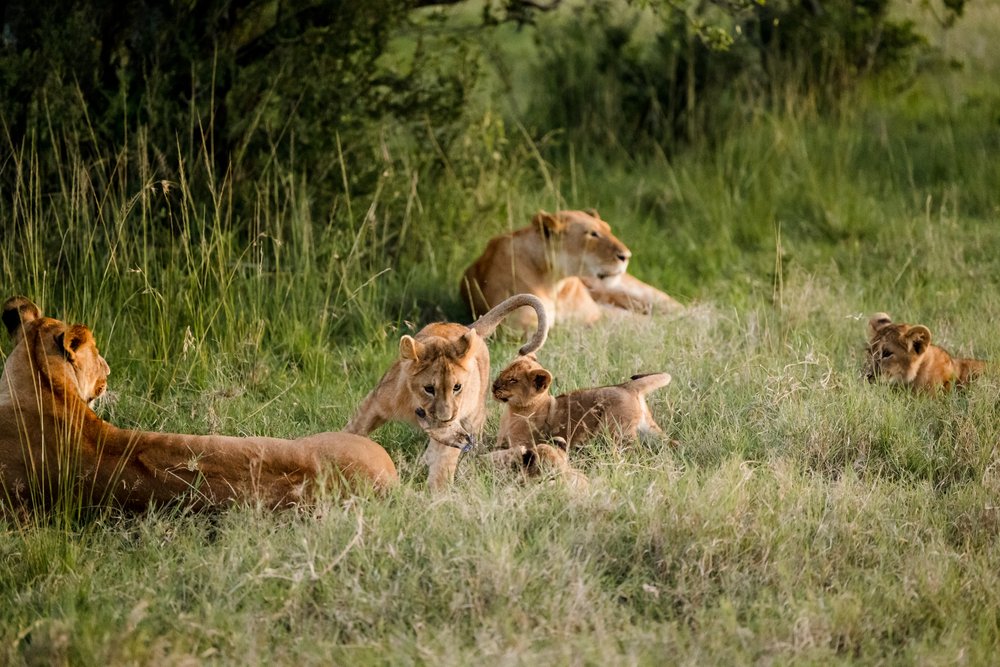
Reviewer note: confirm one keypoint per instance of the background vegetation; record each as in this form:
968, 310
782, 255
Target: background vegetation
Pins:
248, 239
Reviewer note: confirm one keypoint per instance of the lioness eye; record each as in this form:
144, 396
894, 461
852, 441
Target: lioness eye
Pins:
594, 235
429, 388
457, 388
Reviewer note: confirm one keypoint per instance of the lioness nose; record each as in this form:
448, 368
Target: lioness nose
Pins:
624, 255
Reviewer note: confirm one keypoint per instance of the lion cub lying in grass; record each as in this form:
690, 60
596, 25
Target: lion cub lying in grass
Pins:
532, 415
903, 354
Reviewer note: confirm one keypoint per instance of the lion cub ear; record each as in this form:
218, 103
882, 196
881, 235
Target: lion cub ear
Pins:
18, 311
878, 322
548, 224
72, 339
918, 338
541, 379
461, 347
410, 348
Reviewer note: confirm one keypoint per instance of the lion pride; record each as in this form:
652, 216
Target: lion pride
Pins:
52, 443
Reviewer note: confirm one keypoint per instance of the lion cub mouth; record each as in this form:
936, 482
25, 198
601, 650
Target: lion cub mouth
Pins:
610, 274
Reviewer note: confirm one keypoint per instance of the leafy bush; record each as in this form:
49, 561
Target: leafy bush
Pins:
251, 83
625, 78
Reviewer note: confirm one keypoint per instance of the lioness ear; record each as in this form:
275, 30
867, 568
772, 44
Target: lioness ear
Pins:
18, 311
878, 322
410, 348
547, 223
541, 379
72, 339
592, 212
918, 337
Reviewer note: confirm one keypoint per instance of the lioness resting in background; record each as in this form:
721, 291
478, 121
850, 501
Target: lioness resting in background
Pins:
440, 382
532, 415
571, 261
903, 354
52, 443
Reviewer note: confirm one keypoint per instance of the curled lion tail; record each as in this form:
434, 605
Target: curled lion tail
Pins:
647, 382
488, 323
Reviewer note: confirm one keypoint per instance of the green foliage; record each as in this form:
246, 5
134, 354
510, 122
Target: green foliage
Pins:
241, 83
794, 515
622, 78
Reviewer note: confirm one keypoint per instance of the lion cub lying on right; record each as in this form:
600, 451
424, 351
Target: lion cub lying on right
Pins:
532, 415
902, 354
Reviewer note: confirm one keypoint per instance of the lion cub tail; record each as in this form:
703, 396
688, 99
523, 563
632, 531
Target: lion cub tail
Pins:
643, 384
488, 323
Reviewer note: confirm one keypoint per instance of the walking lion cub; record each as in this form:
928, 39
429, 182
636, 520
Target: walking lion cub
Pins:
440, 383
534, 416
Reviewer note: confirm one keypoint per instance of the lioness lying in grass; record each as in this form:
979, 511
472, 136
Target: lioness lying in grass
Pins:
571, 261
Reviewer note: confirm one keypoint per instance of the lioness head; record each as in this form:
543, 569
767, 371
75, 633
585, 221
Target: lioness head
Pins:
436, 372
583, 244
894, 349
74, 346
522, 381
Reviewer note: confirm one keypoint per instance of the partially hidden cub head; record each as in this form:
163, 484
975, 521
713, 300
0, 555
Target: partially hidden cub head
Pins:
544, 460
522, 382
66, 354
894, 350
438, 370
582, 244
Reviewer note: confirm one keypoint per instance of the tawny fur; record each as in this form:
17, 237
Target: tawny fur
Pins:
440, 383
533, 415
52, 443
571, 261
902, 354
541, 460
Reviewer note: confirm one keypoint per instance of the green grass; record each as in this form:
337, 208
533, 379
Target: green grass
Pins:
802, 516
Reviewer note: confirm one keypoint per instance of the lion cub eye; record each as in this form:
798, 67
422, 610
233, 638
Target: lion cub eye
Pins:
429, 388
457, 388
886, 354
512, 381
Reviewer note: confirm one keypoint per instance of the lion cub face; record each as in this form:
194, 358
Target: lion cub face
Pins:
437, 371
521, 382
585, 245
894, 349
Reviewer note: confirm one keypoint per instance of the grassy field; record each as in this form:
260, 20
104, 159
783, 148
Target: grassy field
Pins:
799, 515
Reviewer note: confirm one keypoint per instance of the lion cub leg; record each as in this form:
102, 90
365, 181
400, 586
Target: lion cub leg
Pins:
442, 461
